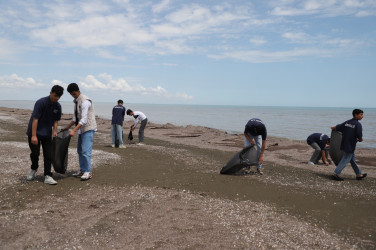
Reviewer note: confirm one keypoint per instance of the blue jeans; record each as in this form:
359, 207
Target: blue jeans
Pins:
258, 141
346, 158
84, 148
116, 130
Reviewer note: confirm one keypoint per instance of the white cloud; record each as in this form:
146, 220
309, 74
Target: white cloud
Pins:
163, 5
258, 40
297, 37
15, 81
330, 8
258, 56
105, 82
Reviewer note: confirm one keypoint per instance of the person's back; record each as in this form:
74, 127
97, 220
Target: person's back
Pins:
118, 113
351, 133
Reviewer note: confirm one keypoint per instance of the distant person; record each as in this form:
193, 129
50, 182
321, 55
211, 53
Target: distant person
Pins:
118, 113
139, 117
46, 114
85, 125
320, 143
351, 134
254, 131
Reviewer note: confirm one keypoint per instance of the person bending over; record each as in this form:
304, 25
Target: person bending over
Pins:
139, 117
320, 143
254, 131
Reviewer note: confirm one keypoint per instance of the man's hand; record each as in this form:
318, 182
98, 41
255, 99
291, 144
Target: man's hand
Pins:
260, 160
72, 133
34, 140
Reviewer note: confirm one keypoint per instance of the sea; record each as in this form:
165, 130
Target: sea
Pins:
287, 122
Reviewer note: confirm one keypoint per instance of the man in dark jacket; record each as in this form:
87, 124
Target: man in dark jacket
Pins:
351, 134
118, 113
46, 114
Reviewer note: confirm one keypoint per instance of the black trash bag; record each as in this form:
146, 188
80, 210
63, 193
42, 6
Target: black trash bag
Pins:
117, 139
335, 151
130, 136
246, 157
60, 145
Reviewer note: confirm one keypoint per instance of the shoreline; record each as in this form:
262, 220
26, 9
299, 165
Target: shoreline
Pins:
170, 192
299, 135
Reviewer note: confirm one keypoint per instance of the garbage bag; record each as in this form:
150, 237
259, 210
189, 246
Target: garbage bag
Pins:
244, 158
335, 151
60, 145
130, 136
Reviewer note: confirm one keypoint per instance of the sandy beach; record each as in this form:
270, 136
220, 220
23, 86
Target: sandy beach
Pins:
168, 194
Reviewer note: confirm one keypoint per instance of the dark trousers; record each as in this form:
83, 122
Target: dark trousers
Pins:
47, 152
141, 130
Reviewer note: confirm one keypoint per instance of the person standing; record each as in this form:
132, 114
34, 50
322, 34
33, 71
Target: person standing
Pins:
352, 132
139, 117
45, 115
320, 143
118, 113
255, 134
85, 125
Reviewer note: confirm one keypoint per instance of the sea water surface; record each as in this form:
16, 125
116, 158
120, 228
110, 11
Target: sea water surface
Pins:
288, 122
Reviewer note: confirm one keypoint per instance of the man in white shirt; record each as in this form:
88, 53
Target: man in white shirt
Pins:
139, 117
85, 125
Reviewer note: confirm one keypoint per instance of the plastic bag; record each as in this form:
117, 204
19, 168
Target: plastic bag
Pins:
60, 145
244, 158
130, 135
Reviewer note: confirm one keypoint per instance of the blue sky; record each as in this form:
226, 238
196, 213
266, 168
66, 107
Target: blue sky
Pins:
267, 53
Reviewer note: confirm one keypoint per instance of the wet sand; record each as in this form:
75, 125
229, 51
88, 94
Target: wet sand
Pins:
169, 194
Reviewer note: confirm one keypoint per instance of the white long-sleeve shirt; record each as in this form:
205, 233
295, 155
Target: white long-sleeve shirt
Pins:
84, 111
138, 116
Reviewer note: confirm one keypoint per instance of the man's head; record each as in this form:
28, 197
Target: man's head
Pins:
56, 92
358, 114
74, 90
129, 112
120, 102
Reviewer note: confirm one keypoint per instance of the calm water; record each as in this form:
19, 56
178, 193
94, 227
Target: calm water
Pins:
288, 122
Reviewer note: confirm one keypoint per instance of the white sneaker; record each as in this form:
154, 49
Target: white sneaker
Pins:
31, 175
86, 176
78, 174
122, 146
259, 171
311, 163
140, 143
112, 145
49, 180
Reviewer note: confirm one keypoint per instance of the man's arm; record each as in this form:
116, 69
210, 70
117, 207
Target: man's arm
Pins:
34, 126
54, 132
324, 157
261, 157
249, 139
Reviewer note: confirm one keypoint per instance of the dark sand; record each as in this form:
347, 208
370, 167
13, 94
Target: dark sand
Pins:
169, 194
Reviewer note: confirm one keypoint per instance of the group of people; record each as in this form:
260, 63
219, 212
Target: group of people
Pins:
255, 133
352, 132
47, 112
43, 125
118, 113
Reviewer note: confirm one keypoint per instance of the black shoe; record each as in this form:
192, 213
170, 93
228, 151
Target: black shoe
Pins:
336, 178
361, 176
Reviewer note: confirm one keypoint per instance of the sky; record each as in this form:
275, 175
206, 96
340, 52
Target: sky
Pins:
310, 53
